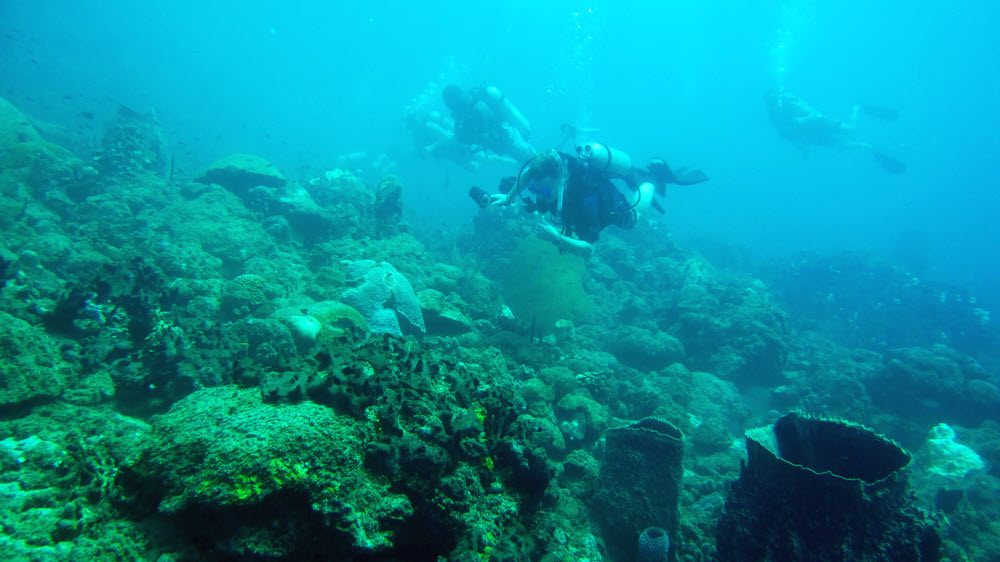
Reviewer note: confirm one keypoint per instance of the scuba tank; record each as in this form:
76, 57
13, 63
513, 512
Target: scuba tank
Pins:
606, 159
499, 102
643, 197
615, 163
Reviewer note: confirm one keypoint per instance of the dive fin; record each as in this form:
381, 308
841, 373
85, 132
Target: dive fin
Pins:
658, 206
689, 177
888, 163
883, 113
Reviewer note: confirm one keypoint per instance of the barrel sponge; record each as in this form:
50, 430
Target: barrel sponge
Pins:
827, 487
640, 483
654, 545
381, 292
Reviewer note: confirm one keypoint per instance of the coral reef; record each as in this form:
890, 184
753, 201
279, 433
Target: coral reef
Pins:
961, 388
388, 206
863, 301
432, 427
229, 368
132, 145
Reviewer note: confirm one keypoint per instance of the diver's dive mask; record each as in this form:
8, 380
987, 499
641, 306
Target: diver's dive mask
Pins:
545, 192
548, 179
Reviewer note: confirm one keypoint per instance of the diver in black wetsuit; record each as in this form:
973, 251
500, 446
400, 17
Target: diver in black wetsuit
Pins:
804, 126
485, 119
578, 192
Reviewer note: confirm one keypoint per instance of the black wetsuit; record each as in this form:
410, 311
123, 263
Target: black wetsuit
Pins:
591, 202
475, 126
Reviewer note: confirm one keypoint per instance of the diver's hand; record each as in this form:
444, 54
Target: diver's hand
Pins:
499, 200
548, 232
660, 171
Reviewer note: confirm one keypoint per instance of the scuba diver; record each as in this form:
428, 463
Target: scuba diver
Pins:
579, 193
486, 120
433, 134
571, 133
803, 126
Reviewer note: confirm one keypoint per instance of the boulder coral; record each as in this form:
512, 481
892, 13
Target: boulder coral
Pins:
241, 172
224, 451
31, 368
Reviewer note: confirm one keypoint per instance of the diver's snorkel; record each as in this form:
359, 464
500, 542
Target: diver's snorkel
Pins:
561, 186
517, 180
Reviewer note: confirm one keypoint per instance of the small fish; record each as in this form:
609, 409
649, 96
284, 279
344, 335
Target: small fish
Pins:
86, 114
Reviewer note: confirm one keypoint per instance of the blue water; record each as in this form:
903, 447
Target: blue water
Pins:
302, 83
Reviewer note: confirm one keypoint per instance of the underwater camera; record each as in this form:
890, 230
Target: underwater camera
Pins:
506, 184
480, 196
